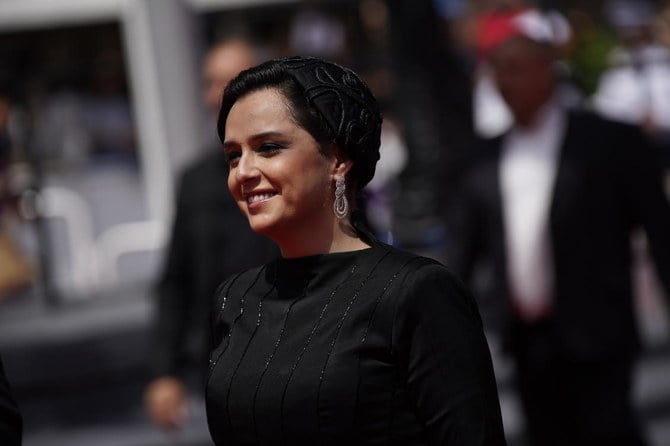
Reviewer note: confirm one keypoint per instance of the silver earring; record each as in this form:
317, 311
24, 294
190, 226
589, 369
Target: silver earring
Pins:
341, 205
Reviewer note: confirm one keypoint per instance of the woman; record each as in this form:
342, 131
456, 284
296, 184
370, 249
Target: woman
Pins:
342, 340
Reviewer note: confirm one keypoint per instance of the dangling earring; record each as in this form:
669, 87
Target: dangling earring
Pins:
341, 205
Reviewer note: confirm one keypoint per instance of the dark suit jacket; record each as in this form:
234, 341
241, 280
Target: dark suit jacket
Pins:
607, 183
211, 239
11, 424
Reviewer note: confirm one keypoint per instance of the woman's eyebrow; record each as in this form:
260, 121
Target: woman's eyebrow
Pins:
256, 137
263, 135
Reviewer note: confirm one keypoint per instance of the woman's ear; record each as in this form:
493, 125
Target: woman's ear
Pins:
342, 166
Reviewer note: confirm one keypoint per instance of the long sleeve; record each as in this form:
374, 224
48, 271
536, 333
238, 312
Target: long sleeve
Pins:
464, 232
449, 370
171, 292
469, 214
642, 183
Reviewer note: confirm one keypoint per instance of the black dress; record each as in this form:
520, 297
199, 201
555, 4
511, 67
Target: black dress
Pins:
376, 346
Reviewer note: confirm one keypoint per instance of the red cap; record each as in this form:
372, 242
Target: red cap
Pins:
496, 27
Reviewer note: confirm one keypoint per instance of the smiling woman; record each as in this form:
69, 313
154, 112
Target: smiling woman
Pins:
265, 149
343, 339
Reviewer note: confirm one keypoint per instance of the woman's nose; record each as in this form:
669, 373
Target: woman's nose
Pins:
246, 167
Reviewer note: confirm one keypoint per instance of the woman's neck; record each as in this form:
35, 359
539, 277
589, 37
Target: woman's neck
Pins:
341, 239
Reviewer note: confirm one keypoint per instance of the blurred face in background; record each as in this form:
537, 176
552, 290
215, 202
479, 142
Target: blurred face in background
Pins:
524, 75
222, 63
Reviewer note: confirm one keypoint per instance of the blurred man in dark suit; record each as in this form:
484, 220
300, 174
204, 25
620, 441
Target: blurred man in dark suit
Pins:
552, 204
210, 240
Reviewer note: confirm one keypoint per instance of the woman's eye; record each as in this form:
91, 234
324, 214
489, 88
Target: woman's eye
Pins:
269, 148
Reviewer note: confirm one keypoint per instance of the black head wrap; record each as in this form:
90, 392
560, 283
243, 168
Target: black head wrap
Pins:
347, 105
347, 112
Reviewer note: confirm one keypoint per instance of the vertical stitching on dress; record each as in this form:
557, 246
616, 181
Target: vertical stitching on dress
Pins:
271, 357
394, 386
367, 329
212, 361
337, 333
246, 348
307, 342
230, 332
215, 342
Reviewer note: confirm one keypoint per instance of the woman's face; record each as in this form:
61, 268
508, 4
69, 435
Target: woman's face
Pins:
278, 176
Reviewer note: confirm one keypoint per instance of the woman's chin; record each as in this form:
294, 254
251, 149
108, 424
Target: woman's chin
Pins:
261, 227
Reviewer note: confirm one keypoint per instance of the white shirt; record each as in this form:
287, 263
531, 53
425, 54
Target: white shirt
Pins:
527, 174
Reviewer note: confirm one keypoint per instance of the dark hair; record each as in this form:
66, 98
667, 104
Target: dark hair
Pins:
332, 104
273, 77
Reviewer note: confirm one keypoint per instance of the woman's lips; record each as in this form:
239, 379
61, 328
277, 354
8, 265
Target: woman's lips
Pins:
258, 197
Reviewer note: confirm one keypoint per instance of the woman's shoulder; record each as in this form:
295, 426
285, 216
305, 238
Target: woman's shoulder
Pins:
414, 264
424, 283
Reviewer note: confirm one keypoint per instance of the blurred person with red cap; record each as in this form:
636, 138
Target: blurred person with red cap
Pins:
552, 204
492, 115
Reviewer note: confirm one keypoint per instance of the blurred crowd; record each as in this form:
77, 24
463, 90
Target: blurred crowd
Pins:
447, 79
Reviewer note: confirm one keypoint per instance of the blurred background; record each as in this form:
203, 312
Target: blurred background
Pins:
100, 109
